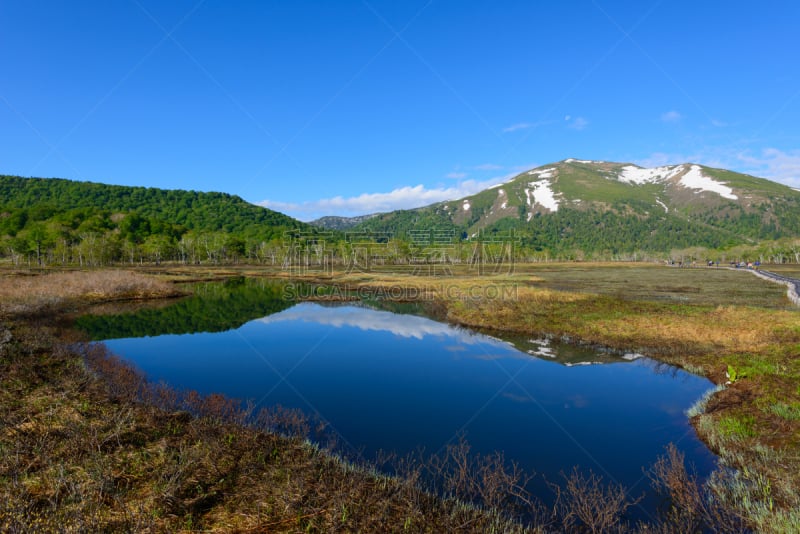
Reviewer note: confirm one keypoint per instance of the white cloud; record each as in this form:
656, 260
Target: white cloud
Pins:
407, 197
671, 116
577, 123
778, 165
518, 126
718, 124
456, 175
488, 167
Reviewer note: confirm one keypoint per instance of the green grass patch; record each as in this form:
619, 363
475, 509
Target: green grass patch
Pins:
748, 366
790, 412
732, 426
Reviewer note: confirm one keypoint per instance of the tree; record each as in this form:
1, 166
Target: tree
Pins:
37, 237
158, 247
134, 228
235, 248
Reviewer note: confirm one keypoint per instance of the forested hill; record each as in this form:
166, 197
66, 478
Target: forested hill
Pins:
191, 210
46, 221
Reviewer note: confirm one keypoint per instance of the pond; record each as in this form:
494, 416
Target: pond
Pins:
400, 381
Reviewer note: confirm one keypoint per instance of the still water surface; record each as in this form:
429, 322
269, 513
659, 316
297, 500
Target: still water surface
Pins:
392, 381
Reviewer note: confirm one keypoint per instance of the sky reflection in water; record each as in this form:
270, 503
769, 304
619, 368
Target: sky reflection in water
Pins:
399, 382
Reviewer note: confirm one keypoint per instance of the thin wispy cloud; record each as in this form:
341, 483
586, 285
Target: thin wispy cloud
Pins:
671, 116
576, 123
407, 197
781, 166
516, 127
456, 175
718, 123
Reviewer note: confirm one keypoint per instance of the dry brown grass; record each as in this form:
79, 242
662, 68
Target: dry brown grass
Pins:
28, 295
727, 329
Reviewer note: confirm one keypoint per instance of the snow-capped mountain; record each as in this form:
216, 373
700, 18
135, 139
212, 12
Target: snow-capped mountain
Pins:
599, 205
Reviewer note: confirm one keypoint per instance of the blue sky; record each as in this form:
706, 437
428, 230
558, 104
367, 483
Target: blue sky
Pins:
348, 107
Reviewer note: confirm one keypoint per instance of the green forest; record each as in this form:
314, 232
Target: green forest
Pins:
46, 221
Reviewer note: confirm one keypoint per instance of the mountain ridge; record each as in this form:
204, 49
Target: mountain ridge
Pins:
599, 205
337, 222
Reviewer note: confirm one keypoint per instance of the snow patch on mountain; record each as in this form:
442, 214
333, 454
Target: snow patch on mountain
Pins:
695, 179
502, 193
541, 193
638, 175
543, 173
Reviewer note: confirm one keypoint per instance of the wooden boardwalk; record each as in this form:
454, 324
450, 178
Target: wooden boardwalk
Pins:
792, 284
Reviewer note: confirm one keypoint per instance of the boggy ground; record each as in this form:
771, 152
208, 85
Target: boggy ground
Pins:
85, 446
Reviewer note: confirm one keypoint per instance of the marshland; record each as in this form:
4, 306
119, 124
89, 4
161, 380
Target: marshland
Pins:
90, 443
